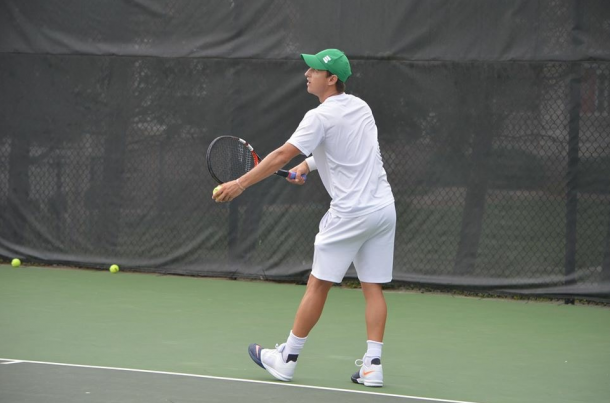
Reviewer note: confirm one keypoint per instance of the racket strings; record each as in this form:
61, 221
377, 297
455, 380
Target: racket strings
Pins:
228, 159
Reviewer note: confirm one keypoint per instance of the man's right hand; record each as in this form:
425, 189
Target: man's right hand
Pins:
301, 171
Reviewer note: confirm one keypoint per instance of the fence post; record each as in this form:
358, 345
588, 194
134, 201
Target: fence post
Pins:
478, 181
115, 145
574, 107
606, 261
572, 180
19, 201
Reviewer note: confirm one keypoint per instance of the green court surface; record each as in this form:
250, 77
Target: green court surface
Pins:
130, 337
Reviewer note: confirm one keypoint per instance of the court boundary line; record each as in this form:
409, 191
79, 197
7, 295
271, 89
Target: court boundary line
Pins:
222, 378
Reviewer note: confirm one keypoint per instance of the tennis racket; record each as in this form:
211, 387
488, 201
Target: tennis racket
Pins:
230, 157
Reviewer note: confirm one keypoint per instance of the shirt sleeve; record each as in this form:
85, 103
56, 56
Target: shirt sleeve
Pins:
309, 134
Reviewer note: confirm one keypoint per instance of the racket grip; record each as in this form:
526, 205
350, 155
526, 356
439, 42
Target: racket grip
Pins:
289, 174
293, 175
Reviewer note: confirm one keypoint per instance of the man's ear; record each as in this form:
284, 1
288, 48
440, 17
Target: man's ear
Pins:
332, 80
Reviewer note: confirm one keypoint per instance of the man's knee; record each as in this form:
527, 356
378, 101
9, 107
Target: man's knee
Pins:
315, 284
372, 290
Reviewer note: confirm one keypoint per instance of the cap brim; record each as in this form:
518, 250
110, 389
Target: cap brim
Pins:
313, 62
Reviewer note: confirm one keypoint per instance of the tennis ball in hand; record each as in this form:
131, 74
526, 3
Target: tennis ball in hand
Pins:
216, 189
16, 263
114, 268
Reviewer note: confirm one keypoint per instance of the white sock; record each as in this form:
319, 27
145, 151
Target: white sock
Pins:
294, 345
373, 351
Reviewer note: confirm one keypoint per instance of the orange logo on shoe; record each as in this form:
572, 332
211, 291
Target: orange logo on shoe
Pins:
257, 348
367, 373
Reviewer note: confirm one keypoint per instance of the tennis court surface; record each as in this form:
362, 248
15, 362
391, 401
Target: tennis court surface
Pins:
38, 382
71, 335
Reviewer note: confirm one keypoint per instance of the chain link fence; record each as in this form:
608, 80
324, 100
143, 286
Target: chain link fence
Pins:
500, 168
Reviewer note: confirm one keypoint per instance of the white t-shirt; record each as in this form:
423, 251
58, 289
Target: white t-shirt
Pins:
342, 137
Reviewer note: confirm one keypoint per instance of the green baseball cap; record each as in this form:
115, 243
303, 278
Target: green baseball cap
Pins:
332, 60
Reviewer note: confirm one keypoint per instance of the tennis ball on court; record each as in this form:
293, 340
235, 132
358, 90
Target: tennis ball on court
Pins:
16, 263
114, 268
216, 189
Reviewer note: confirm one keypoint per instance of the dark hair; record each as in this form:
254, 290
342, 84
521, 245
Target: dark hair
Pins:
339, 85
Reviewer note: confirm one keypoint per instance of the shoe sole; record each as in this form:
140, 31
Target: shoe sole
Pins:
362, 381
277, 375
374, 384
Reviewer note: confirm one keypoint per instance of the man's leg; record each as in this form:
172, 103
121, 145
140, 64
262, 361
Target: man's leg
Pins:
371, 371
311, 306
281, 361
376, 311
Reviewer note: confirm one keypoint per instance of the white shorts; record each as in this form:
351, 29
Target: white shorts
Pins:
367, 241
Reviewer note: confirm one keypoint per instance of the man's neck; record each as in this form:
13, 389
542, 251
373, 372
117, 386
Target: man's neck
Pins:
325, 96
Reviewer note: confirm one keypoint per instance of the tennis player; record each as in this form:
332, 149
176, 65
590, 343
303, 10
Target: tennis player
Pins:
340, 138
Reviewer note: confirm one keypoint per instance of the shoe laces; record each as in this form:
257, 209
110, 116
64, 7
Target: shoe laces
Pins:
360, 361
280, 347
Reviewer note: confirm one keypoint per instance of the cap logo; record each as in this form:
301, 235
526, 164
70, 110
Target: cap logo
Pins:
326, 59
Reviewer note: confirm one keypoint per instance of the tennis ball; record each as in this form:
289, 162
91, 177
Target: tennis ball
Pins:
216, 189
114, 268
16, 263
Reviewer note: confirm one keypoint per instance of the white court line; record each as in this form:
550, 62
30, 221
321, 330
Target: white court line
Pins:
234, 380
10, 362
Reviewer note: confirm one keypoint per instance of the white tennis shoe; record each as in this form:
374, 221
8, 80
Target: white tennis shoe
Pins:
271, 359
369, 375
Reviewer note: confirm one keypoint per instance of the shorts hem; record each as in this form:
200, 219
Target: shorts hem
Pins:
319, 277
376, 281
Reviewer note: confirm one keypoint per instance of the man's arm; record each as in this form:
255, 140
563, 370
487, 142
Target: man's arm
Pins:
274, 161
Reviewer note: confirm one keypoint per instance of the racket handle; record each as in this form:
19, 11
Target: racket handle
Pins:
293, 175
289, 175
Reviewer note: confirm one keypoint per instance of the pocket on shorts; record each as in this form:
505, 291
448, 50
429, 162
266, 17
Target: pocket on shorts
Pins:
324, 221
